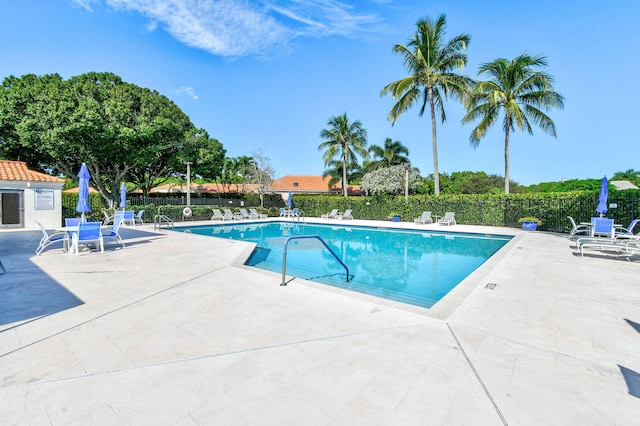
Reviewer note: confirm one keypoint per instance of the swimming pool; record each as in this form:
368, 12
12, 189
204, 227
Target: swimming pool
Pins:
409, 266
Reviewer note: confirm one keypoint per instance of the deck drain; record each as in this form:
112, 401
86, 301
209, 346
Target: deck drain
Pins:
491, 286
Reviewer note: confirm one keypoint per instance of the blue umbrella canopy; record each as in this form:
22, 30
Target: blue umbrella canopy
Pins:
83, 190
604, 196
289, 201
123, 196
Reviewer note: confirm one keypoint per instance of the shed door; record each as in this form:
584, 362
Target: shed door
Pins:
10, 208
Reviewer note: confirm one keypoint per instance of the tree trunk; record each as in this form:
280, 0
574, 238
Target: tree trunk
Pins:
344, 172
434, 141
506, 156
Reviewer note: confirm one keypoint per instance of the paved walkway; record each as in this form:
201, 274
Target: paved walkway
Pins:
172, 330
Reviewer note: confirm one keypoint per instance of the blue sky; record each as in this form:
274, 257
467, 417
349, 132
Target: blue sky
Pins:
268, 74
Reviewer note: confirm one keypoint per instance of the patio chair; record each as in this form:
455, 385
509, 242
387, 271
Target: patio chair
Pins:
424, 219
627, 232
107, 219
578, 229
244, 214
48, 239
622, 247
330, 215
88, 233
127, 218
345, 215
112, 234
217, 215
254, 213
447, 219
603, 227
138, 218
72, 221
228, 215
283, 212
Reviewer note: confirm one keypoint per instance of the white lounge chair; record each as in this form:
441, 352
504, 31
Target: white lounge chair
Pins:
48, 239
345, 215
331, 215
424, 219
257, 215
88, 233
578, 229
448, 219
217, 215
112, 234
623, 247
244, 214
228, 215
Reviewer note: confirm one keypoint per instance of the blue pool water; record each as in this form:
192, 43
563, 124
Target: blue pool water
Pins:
415, 267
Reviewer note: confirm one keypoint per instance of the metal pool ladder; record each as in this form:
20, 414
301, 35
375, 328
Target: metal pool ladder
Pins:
300, 237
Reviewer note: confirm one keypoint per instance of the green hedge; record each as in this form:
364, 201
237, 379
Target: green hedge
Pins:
483, 209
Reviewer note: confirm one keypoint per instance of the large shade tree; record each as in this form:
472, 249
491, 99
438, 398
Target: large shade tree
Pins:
96, 118
432, 63
343, 140
522, 91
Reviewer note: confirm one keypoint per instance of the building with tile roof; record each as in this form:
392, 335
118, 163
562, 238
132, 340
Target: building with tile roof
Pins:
27, 196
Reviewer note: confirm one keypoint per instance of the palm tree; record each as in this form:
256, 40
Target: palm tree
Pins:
431, 62
630, 175
391, 154
518, 90
343, 140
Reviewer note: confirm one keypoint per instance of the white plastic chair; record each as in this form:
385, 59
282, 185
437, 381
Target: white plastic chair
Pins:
424, 219
448, 219
48, 239
112, 234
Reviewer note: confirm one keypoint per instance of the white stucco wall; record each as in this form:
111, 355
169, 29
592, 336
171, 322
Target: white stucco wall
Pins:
50, 218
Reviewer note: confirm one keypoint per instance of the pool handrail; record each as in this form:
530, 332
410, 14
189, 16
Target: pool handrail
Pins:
300, 237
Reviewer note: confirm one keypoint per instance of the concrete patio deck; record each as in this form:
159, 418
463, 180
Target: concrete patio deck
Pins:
173, 330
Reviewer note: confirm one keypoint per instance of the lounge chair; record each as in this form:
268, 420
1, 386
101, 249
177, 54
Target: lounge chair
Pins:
88, 233
623, 247
330, 215
228, 215
257, 215
578, 229
447, 219
217, 215
138, 218
244, 214
627, 232
424, 219
283, 212
112, 234
345, 215
48, 239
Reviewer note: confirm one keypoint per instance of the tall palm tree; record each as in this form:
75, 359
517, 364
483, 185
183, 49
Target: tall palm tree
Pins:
391, 154
431, 62
343, 140
517, 89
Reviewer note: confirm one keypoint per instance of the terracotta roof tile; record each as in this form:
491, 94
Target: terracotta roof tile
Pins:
17, 170
303, 184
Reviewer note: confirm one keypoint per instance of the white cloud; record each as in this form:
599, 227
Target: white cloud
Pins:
187, 90
246, 27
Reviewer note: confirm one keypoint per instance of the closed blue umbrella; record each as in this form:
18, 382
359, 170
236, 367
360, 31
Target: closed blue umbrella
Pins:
604, 196
123, 196
83, 190
289, 201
